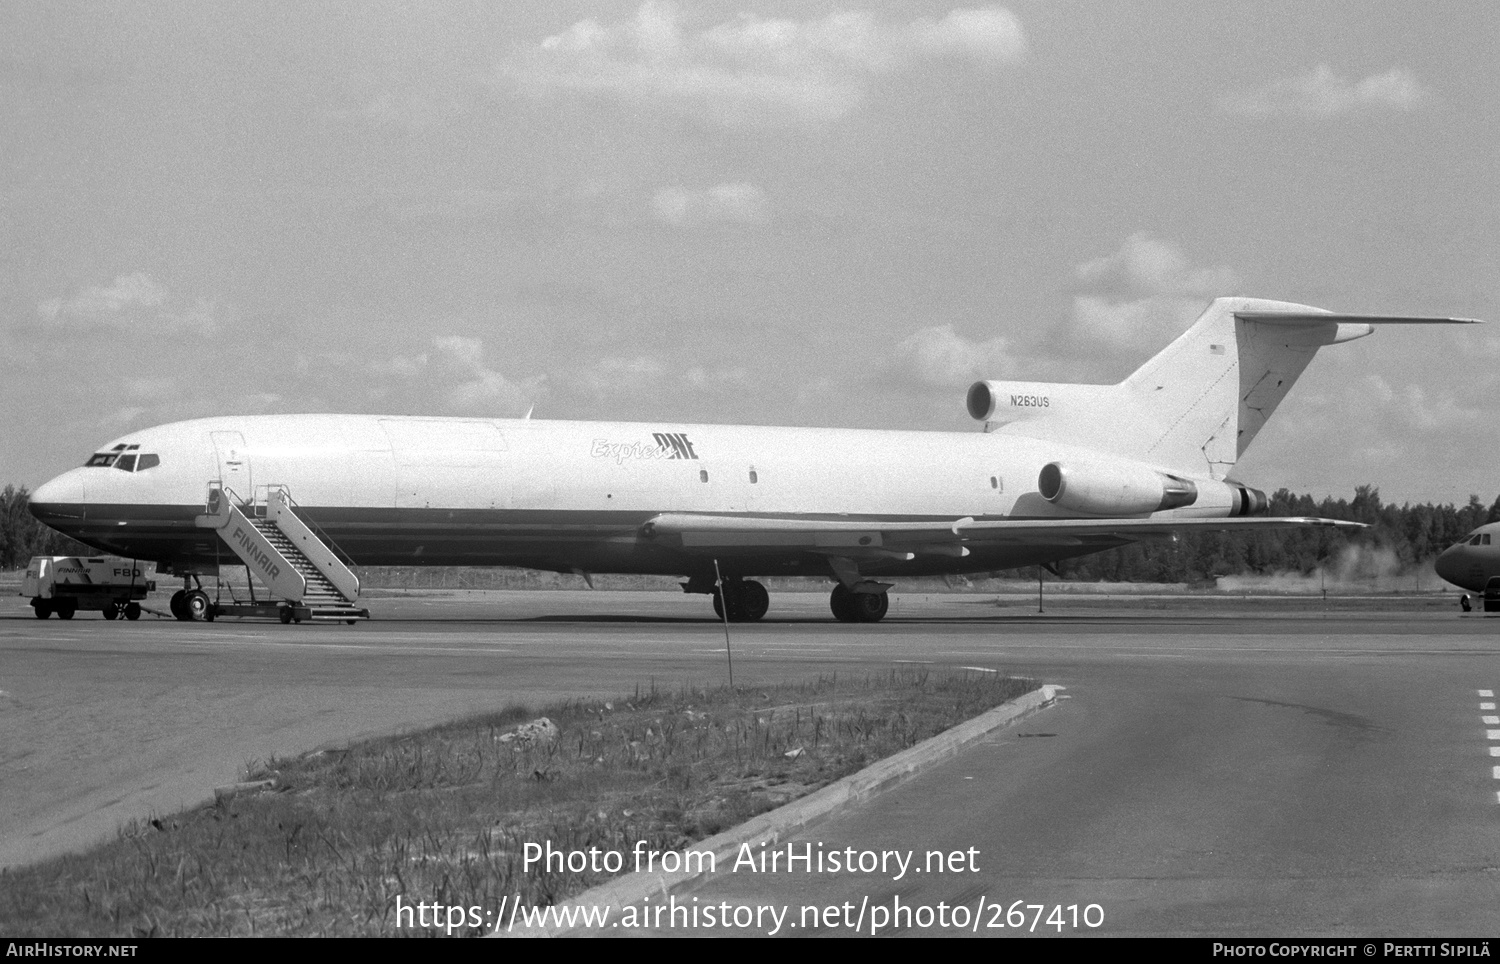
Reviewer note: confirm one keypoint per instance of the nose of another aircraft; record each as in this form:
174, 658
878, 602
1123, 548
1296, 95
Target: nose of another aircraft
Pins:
1447, 564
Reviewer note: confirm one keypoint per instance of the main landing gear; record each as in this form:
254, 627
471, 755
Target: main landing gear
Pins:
741, 600
858, 607
192, 605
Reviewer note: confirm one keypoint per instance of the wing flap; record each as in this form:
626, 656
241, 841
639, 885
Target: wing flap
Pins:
893, 539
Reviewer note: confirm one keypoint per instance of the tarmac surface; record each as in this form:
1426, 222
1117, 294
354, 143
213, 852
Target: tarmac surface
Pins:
1221, 766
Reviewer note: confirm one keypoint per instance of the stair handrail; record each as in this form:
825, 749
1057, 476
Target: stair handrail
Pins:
286, 493
282, 510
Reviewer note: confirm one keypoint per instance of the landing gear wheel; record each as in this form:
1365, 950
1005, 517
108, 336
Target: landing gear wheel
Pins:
858, 607
285, 615
197, 606
745, 601
175, 604
869, 607
754, 600
838, 601
727, 601
132, 611
111, 611
42, 609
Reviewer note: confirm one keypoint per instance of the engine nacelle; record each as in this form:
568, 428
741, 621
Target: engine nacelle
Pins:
1244, 500
1113, 488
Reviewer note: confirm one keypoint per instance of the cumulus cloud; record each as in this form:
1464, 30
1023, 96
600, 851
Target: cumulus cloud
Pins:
1412, 407
650, 379
942, 358
734, 203
479, 390
752, 69
453, 367
1144, 294
1323, 93
134, 301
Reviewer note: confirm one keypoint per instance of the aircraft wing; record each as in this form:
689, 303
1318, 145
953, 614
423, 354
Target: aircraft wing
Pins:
876, 538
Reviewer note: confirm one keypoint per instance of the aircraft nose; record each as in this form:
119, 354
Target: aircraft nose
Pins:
59, 497
1447, 564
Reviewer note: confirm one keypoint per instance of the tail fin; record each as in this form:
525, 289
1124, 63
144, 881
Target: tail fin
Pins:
1199, 403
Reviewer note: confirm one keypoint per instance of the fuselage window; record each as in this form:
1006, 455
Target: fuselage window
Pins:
126, 463
148, 462
753, 477
1484, 540
994, 482
703, 475
102, 460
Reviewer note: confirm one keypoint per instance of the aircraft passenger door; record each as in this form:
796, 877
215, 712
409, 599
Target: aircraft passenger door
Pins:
234, 464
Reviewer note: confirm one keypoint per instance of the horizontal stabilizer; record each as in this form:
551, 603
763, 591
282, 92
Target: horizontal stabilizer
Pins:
1291, 318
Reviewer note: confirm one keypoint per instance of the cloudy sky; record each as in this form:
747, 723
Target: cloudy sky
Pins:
811, 213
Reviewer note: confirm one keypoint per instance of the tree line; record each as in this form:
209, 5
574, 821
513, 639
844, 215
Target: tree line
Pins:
22, 536
1408, 534
1403, 536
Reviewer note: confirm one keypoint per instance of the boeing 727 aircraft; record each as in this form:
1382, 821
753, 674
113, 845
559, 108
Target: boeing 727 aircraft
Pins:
1061, 470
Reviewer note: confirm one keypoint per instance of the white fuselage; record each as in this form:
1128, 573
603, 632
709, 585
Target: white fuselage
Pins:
553, 494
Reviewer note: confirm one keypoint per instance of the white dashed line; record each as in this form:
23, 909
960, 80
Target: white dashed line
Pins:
1490, 720
1492, 734
1497, 773
1487, 693
1495, 751
1486, 706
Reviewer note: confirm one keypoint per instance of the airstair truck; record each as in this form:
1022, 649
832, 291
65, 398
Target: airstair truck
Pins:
66, 584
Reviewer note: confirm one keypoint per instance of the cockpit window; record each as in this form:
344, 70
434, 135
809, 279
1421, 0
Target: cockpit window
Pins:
124, 460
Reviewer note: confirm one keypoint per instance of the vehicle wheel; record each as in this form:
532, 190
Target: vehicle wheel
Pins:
66, 610
869, 607
285, 615
132, 611
839, 602
197, 607
754, 601
111, 611
176, 605
42, 609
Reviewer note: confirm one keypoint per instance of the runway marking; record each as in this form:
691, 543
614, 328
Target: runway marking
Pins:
1497, 773
1495, 751
1486, 692
1490, 720
1486, 706
1492, 734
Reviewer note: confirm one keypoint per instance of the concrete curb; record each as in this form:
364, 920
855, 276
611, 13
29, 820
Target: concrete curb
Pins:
772, 826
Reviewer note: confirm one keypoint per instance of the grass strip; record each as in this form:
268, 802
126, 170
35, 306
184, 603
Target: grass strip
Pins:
444, 815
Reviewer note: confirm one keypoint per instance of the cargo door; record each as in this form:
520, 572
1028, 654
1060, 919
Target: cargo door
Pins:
449, 463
